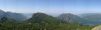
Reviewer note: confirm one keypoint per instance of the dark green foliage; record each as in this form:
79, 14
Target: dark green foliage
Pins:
42, 18
3, 19
40, 21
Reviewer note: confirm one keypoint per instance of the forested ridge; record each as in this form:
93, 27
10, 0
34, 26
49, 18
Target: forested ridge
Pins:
41, 21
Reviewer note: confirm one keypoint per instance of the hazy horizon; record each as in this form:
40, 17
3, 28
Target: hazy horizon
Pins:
51, 6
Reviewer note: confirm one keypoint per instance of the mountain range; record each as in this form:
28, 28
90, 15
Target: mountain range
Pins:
11, 15
86, 19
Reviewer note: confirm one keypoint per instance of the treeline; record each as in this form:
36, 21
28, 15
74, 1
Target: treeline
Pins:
40, 21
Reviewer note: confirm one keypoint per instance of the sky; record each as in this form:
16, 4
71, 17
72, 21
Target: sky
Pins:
51, 6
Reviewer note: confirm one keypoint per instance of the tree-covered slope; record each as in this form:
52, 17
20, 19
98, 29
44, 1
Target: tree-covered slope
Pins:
47, 22
41, 21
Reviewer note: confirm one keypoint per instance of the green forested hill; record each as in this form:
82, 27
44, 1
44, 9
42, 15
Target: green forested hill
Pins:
41, 21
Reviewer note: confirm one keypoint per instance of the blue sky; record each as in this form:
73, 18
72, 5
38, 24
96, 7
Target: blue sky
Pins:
51, 6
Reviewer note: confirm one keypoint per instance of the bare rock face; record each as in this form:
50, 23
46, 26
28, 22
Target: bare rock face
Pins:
97, 28
71, 18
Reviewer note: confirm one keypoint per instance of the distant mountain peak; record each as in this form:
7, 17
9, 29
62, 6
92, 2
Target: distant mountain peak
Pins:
1, 11
11, 15
69, 17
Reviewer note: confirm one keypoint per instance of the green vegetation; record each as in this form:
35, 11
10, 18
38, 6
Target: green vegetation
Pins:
41, 21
